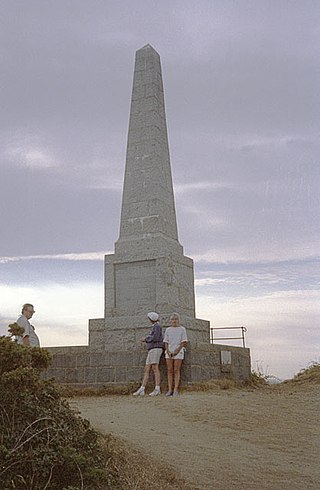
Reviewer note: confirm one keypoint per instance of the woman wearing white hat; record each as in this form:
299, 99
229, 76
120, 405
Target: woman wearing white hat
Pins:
155, 347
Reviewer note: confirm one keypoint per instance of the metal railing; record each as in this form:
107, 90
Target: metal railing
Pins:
213, 338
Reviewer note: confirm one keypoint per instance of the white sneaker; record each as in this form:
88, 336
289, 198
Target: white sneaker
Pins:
139, 392
155, 393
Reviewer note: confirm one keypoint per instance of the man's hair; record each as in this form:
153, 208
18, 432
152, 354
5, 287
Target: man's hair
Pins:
27, 305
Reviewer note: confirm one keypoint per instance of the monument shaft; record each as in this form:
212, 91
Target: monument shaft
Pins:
148, 200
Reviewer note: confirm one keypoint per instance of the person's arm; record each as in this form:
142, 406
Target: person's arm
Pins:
166, 343
23, 322
149, 337
166, 347
155, 334
26, 340
178, 349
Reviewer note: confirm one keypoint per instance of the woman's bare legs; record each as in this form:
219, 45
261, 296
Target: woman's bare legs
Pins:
169, 362
173, 368
146, 375
156, 372
176, 369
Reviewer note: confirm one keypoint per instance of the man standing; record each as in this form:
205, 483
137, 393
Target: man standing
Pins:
29, 336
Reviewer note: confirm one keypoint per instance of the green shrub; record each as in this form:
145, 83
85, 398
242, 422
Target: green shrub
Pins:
258, 379
14, 329
43, 443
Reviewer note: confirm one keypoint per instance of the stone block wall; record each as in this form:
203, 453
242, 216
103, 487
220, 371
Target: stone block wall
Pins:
208, 361
134, 286
81, 366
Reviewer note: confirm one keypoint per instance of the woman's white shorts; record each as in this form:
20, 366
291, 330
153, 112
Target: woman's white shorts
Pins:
154, 355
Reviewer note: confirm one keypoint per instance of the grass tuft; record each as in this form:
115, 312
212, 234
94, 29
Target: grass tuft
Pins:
134, 469
258, 379
310, 374
215, 384
68, 391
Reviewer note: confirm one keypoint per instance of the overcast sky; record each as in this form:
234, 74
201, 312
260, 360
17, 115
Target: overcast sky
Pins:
241, 85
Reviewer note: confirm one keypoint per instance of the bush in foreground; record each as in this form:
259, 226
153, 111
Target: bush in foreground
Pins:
43, 443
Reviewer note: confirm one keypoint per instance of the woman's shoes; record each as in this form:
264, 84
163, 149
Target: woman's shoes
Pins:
139, 392
155, 392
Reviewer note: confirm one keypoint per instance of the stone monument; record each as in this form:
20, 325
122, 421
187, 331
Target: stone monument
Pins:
148, 270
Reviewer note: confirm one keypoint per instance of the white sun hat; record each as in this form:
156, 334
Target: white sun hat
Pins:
153, 316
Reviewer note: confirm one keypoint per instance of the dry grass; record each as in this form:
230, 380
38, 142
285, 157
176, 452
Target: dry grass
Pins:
215, 384
134, 469
73, 391
310, 374
127, 389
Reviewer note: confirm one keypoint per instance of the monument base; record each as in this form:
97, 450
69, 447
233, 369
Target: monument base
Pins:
114, 333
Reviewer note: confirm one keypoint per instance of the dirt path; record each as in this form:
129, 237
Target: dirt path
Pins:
263, 439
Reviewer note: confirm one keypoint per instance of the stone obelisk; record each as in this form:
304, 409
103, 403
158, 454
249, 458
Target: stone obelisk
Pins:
148, 270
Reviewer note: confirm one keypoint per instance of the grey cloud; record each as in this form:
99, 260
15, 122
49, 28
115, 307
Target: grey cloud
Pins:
240, 85
283, 276
57, 271
39, 216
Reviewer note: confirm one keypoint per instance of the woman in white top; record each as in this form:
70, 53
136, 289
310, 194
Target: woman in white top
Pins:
175, 340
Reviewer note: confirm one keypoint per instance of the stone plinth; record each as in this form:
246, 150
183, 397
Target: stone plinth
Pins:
108, 334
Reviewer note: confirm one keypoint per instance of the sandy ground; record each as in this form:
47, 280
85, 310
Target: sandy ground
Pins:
262, 439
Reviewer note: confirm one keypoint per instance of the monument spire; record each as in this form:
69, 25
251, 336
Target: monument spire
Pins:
148, 209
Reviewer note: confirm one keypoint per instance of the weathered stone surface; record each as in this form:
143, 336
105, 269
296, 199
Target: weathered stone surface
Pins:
65, 361
121, 374
83, 360
148, 173
135, 287
58, 374
201, 363
72, 349
97, 360
134, 373
75, 376
106, 375
90, 376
